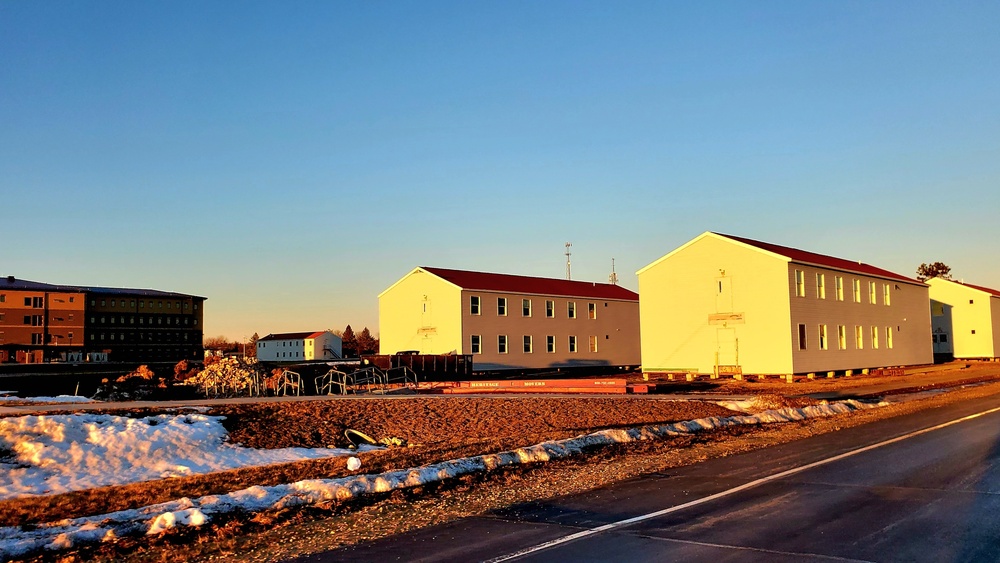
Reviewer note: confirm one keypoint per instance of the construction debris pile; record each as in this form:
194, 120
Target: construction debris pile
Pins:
234, 376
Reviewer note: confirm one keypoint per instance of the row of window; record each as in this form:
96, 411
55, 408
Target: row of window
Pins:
859, 337
475, 308
528, 344
143, 320
142, 304
151, 336
282, 343
838, 283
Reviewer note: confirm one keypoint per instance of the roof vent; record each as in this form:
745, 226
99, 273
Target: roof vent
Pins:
10, 279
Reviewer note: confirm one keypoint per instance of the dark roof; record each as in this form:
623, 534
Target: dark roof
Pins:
15, 284
293, 335
537, 286
806, 257
992, 292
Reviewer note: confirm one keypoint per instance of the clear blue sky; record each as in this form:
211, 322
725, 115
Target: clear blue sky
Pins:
289, 161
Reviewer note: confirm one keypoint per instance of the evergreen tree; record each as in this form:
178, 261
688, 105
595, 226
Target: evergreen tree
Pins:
350, 343
366, 344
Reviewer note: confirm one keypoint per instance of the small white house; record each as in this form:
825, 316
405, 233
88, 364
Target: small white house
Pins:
965, 319
299, 347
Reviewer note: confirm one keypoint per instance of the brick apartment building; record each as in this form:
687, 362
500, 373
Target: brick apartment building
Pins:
42, 322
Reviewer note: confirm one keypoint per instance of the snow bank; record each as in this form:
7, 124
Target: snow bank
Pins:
56, 399
187, 512
71, 452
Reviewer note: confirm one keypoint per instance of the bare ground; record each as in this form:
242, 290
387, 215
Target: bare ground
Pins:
441, 429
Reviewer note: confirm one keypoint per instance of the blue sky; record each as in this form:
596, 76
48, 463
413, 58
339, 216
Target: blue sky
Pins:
289, 161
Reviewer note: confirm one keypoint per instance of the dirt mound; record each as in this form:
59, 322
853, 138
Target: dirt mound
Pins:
452, 420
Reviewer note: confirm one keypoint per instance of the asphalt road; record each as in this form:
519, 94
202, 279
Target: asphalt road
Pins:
930, 497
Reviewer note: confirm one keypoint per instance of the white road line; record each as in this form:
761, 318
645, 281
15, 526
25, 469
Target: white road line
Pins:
734, 490
758, 550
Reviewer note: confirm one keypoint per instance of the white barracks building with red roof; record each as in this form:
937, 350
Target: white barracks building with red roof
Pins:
510, 322
727, 304
299, 347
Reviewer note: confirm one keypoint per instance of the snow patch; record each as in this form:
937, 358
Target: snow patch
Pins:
196, 512
71, 452
56, 399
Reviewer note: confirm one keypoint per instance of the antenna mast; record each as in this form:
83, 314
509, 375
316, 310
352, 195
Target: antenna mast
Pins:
568, 276
613, 278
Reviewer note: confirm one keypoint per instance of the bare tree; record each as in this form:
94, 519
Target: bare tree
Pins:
933, 270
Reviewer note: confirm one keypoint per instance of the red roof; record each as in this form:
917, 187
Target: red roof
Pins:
992, 292
805, 257
507, 283
293, 336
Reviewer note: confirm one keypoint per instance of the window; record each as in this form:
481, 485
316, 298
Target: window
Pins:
142, 304
839, 283
874, 338
168, 304
526, 307
871, 292
842, 337
944, 338
3, 298
800, 283
857, 291
822, 337
802, 337
71, 299
973, 331
593, 343
474, 305
36, 338
27, 302
550, 309
502, 344
885, 294
476, 344
592, 310
971, 301
859, 338
821, 286
888, 337
571, 309
103, 302
130, 303
572, 344
112, 304
501, 306
527, 344
550, 344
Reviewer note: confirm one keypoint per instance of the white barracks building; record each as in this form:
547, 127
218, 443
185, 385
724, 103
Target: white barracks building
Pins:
726, 304
966, 319
510, 322
299, 347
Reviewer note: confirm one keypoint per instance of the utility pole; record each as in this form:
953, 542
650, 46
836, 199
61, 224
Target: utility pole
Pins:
613, 278
568, 275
